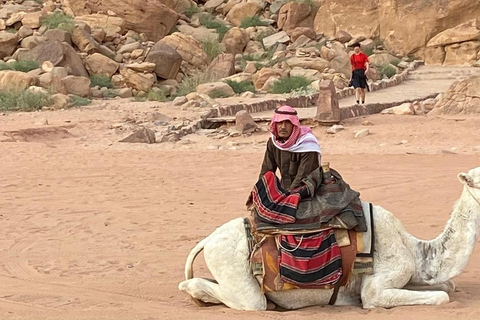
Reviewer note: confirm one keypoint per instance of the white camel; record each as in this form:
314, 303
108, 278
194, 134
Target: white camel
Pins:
407, 270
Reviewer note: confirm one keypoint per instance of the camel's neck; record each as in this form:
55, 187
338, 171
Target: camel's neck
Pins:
444, 257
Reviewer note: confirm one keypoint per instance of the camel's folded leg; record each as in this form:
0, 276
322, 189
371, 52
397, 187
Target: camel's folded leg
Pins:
448, 287
376, 294
211, 292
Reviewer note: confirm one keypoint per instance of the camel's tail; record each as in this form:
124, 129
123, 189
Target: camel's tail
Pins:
191, 257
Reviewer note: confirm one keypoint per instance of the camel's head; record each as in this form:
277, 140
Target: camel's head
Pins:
471, 179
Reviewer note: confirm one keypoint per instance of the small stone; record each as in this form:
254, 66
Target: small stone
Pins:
144, 135
42, 122
178, 101
335, 129
476, 148
404, 141
213, 147
244, 122
367, 123
362, 133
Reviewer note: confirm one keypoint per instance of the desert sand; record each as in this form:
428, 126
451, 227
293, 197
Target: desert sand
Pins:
96, 229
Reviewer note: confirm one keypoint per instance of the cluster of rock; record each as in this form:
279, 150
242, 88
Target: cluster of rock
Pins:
117, 40
463, 97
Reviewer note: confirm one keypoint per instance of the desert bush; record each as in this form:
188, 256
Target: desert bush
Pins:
288, 84
209, 22
388, 70
58, 20
100, 80
190, 84
25, 65
395, 62
218, 94
77, 101
212, 48
252, 21
242, 86
12, 100
191, 11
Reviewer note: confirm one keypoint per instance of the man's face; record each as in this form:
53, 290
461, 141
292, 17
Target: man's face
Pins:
284, 129
356, 49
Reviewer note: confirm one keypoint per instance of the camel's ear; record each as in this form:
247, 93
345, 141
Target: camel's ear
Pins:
466, 179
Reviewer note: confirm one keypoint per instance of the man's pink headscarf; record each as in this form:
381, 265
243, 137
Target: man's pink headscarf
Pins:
288, 113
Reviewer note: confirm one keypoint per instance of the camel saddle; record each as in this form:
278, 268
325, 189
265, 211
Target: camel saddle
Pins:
356, 250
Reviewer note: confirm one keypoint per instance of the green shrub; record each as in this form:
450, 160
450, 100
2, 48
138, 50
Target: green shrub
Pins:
25, 65
58, 20
101, 81
288, 84
258, 65
191, 11
4, 66
212, 48
109, 94
23, 100
388, 70
210, 23
152, 95
252, 21
157, 95
261, 35
189, 84
251, 57
242, 86
215, 94
369, 52
11, 30
77, 101
395, 62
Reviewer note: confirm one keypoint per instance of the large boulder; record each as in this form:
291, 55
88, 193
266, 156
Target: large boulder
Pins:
465, 53
52, 51
292, 14
215, 88
139, 81
308, 63
166, 59
235, 40
462, 97
154, 18
8, 42
188, 47
467, 31
84, 41
72, 62
15, 80
33, 19
79, 86
222, 66
241, 11
99, 64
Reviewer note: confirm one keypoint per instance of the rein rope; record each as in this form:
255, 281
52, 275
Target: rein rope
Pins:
468, 189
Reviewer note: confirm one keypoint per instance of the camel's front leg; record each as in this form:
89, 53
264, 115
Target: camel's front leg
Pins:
375, 294
448, 287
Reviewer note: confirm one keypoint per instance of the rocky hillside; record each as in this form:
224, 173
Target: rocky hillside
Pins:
160, 48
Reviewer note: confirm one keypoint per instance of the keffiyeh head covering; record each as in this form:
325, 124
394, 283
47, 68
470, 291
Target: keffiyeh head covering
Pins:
287, 113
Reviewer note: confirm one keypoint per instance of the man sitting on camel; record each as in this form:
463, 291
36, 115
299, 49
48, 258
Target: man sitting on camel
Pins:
292, 148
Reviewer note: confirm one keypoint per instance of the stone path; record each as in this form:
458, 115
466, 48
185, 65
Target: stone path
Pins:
421, 83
